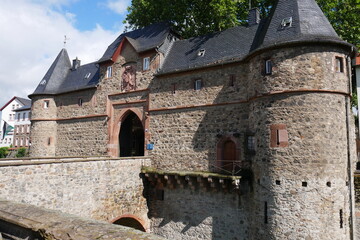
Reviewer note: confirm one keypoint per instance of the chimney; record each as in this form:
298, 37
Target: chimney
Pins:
254, 16
76, 64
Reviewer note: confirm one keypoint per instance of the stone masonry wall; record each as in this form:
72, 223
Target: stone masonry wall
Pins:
84, 137
101, 189
187, 214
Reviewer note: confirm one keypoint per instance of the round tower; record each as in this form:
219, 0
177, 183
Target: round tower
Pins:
43, 133
300, 113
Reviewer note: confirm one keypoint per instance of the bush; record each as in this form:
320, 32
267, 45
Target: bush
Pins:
4, 152
21, 152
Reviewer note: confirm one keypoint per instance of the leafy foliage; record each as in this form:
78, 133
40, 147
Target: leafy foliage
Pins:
21, 152
197, 17
4, 152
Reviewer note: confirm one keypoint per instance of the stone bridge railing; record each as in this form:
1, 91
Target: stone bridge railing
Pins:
100, 188
23, 221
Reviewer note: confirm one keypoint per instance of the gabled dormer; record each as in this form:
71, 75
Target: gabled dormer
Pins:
136, 56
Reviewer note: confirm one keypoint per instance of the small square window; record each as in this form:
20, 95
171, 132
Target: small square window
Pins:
109, 72
339, 65
268, 67
251, 143
146, 63
46, 103
198, 84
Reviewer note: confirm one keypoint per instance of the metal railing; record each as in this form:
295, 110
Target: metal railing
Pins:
227, 167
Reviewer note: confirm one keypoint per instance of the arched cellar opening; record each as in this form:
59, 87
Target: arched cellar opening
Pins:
131, 222
131, 137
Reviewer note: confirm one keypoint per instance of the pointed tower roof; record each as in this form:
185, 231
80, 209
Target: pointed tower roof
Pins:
293, 21
55, 76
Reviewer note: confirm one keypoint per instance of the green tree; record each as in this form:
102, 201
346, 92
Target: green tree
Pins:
4, 152
21, 152
197, 17
344, 15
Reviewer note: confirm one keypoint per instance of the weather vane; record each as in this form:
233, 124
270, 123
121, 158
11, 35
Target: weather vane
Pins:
65, 40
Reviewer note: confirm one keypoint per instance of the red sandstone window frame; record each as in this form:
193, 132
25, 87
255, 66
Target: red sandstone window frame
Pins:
279, 136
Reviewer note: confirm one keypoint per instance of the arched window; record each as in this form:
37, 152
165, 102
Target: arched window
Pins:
228, 156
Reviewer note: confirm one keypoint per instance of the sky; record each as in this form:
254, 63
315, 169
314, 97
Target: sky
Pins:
32, 34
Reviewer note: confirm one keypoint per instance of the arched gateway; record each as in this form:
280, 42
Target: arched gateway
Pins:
131, 136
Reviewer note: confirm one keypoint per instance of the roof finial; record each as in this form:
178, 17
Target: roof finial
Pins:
65, 40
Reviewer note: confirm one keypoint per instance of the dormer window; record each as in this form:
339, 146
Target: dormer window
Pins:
87, 75
109, 72
286, 22
146, 63
201, 53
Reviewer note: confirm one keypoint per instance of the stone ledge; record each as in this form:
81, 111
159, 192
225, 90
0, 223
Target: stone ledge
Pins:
55, 225
194, 180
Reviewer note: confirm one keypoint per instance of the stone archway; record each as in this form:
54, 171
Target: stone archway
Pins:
130, 221
131, 136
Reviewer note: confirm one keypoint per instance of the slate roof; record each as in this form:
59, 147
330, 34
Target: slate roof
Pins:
141, 39
60, 78
309, 24
221, 47
27, 107
235, 44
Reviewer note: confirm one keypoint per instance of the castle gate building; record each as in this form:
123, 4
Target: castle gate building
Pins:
249, 130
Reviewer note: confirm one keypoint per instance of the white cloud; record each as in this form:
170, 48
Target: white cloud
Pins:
119, 6
32, 35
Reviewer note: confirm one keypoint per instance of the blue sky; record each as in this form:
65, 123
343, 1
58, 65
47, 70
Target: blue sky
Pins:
32, 34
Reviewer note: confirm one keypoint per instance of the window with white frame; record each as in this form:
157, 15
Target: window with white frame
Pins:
109, 72
24, 116
46, 103
268, 67
146, 63
16, 142
18, 117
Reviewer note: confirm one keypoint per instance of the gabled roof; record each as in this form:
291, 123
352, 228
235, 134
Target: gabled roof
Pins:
142, 39
27, 107
23, 101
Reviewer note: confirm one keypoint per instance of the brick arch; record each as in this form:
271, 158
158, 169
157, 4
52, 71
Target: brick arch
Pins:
220, 162
130, 220
114, 128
